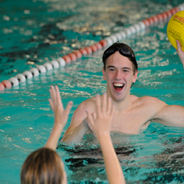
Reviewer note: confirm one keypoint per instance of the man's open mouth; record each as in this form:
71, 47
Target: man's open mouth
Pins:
118, 86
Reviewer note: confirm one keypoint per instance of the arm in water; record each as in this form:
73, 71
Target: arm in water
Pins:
100, 123
60, 119
76, 135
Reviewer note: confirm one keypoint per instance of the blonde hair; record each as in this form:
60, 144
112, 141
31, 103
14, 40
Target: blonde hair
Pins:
42, 166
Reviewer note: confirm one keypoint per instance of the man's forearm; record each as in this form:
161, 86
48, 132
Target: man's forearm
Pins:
76, 134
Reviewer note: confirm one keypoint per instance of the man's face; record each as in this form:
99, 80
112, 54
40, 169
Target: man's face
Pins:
119, 75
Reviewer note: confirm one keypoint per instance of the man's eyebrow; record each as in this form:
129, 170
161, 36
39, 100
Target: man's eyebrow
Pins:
127, 68
111, 66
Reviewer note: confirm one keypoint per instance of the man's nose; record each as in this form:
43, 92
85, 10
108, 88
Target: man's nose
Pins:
118, 74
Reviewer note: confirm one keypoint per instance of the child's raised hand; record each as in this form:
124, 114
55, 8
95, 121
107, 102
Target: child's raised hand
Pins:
61, 114
100, 122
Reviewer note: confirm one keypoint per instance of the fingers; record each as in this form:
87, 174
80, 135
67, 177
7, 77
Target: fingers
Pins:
58, 97
53, 94
104, 102
178, 46
98, 105
56, 101
180, 52
109, 105
104, 106
51, 105
50, 91
112, 109
68, 108
94, 116
101, 106
51, 99
90, 119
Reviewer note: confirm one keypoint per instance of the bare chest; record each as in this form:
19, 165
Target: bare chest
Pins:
130, 123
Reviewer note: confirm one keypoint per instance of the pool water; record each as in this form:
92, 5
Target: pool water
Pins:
39, 31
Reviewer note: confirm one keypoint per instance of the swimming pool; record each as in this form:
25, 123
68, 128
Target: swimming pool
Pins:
38, 31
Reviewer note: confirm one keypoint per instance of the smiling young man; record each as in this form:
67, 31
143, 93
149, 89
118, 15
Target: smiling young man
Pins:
132, 114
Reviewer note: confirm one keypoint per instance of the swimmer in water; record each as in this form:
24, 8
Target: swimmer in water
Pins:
45, 166
132, 114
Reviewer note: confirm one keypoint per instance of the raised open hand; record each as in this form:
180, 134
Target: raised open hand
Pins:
180, 52
100, 122
61, 114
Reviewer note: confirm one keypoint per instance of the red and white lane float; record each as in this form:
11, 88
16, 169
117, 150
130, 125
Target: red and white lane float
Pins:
55, 63
71, 57
6, 83
20, 78
48, 66
62, 62
34, 71
27, 74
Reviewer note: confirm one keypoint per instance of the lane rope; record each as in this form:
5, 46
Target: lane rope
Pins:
72, 57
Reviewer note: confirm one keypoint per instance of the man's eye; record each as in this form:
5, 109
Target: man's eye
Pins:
125, 70
111, 69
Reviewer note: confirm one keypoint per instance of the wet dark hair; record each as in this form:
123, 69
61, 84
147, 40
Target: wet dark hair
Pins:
124, 50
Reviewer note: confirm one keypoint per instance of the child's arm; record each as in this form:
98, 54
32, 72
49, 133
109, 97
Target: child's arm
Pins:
100, 123
60, 119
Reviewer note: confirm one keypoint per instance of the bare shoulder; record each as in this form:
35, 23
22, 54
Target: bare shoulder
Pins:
88, 104
147, 101
149, 106
80, 113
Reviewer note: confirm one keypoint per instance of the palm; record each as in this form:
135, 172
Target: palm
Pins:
100, 122
61, 115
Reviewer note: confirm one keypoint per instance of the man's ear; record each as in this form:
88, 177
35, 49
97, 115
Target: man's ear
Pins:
135, 76
104, 76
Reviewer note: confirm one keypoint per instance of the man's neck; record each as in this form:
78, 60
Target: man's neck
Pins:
123, 105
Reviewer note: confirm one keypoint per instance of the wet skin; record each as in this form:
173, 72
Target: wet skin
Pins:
132, 114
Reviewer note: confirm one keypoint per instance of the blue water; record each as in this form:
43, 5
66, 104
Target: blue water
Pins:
34, 32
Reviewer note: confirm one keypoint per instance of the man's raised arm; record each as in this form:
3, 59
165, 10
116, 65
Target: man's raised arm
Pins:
172, 115
79, 125
180, 52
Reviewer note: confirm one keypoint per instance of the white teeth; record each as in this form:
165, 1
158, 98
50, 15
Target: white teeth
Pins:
119, 85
